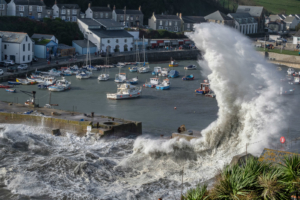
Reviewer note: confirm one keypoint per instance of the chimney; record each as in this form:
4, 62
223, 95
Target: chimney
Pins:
89, 5
180, 16
42, 0
177, 14
140, 8
55, 2
108, 5
153, 13
114, 7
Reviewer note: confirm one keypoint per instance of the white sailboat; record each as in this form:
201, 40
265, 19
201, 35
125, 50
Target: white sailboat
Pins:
86, 74
145, 67
104, 76
120, 77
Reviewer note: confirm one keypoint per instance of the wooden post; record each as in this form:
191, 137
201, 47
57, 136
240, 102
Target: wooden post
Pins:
246, 148
181, 198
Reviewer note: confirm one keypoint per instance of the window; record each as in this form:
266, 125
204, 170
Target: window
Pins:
21, 8
74, 12
127, 17
137, 18
68, 12
30, 8
175, 28
108, 41
29, 47
23, 58
160, 22
21, 14
39, 8
39, 15
28, 57
175, 23
166, 23
23, 47
96, 15
63, 17
188, 26
74, 18
131, 18
63, 11
125, 40
101, 15
117, 41
106, 15
48, 12
166, 28
170, 23
122, 17
1, 6
5, 46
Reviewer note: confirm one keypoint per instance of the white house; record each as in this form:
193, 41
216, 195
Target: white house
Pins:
98, 12
106, 34
244, 23
291, 22
44, 36
296, 38
16, 46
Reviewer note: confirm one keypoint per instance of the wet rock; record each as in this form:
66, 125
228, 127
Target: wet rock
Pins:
91, 156
41, 151
56, 132
21, 146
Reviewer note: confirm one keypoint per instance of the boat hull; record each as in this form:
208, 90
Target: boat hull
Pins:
173, 65
163, 87
10, 90
13, 83
123, 96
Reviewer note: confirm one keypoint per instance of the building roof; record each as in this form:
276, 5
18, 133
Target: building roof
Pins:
13, 37
100, 9
254, 11
64, 46
273, 18
218, 16
129, 12
111, 34
83, 43
282, 16
68, 6
174, 17
289, 19
193, 19
30, 2
40, 36
90, 22
297, 34
3, 2
240, 15
97, 23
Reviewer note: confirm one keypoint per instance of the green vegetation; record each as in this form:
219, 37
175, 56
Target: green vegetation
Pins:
160, 34
65, 32
287, 52
41, 42
253, 180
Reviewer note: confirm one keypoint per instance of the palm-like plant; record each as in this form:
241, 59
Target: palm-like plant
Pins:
271, 185
291, 173
198, 193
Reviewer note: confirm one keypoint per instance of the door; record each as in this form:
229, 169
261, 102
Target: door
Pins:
5, 57
137, 24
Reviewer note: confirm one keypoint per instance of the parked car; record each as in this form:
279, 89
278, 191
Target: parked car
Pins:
9, 62
103, 54
1, 72
23, 66
34, 59
12, 69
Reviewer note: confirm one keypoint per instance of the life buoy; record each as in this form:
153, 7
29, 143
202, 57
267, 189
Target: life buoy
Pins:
130, 95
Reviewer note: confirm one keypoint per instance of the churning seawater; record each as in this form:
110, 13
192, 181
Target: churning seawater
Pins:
36, 165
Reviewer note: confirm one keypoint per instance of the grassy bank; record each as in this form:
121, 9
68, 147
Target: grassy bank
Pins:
287, 52
279, 6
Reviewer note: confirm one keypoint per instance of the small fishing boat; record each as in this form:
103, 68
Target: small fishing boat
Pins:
133, 69
165, 85
91, 68
48, 81
60, 86
125, 91
29, 102
120, 78
52, 72
121, 65
283, 91
13, 83
103, 77
204, 88
190, 67
188, 77
173, 74
83, 74
156, 71
25, 82
290, 71
133, 81
144, 69
210, 94
11, 90
5, 86
152, 83
164, 72
38, 80
173, 63
296, 81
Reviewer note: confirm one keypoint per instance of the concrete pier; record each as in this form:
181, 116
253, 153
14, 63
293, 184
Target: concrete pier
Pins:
66, 121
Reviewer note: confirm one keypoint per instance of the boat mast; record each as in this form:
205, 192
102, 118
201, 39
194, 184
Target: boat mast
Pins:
144, 49
50, 98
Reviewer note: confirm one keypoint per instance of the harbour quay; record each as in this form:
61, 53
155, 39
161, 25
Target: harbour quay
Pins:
60, 121
152, 56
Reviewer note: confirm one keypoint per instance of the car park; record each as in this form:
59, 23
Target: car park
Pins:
23, 66
1, 72
12, 69
9, 62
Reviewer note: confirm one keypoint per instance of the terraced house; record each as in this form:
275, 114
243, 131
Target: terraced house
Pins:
36, 9
167, 22
67, 12
244, 23
132, 18
3, 8
188, 22
98, 12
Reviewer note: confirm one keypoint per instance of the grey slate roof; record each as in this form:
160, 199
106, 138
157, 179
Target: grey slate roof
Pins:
254, 11
297, 34
218, 16
100, 9
282, 16
3, 2
273, 18
30, 2
64, 46
89, 22
167, 17
108, 23
39, 36
129, 12
111, 34
13, 37
83, 43
68, 6
289, 19
240, 15
193, 19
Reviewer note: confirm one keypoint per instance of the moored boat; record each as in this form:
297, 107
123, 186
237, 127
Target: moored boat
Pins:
5, 86
190, 67
133, 81
173, 63
48, 81
125, 91
13, 83
133, 69
290, 71
144, 69
156, 71
164, 72
84, 74
188, 77
204, 88
10, 90
60, 85
173, 74
25, 82
103, 77
165, 85
152, 83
